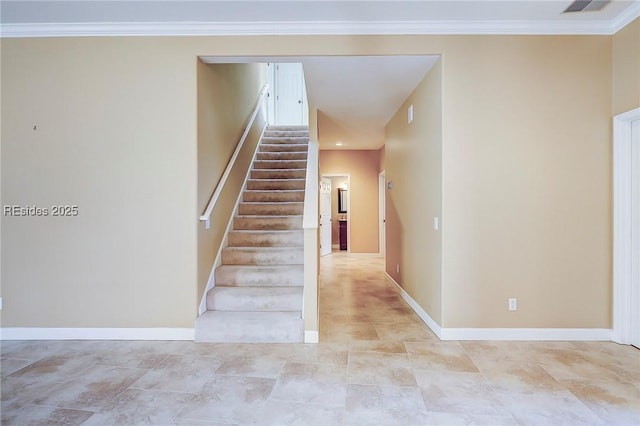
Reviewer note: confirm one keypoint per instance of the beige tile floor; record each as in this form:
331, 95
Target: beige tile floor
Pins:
377, 363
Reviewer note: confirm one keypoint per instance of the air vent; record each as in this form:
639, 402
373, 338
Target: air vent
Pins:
586, 5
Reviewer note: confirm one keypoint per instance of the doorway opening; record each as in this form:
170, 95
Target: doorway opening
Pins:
340, 212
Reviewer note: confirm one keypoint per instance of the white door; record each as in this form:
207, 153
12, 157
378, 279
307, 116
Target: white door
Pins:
635, 238
382, 217
290, 101
271, 93
325, 216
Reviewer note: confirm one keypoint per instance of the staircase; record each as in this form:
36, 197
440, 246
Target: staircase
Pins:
258, 287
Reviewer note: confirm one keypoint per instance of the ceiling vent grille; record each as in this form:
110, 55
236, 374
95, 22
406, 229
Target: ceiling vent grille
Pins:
586, 5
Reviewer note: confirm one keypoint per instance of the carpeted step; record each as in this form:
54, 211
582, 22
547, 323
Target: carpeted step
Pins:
267, 223
262, 256
264, 184
281, 155
278, 174
259, 327
273, 196
259, 275
256, 299
271, 209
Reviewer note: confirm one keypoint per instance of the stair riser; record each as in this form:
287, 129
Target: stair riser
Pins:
279, 133
280, 164
258, 299
279, 174
282, 147
256, 257
286, 139
281, 156
273, 197
277, 184
217, 328
238, 276
266, 239
271, 209
267, 223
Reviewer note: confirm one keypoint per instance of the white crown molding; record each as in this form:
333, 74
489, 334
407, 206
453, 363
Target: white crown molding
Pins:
27, 333
99, 29
626, 17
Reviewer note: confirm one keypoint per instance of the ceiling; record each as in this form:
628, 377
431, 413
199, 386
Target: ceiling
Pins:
356, 96
340, 87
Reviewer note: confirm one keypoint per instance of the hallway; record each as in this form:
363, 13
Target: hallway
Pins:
376, 363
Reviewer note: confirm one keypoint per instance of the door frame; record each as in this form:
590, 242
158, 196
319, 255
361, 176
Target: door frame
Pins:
320, 248
382, 235
348, 176
622, 226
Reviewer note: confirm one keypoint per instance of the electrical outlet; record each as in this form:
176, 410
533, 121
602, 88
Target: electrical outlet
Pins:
398, 269
513, 304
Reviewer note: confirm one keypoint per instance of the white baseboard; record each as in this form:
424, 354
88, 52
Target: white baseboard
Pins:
26, 333
434, 326
335, 246
311, 336
532, 334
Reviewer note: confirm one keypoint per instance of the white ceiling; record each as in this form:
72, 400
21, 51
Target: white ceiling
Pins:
340, 87
357, 96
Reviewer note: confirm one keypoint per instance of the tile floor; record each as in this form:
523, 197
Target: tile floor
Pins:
376, 364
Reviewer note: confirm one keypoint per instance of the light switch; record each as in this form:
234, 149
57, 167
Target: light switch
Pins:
436, 224
410, 114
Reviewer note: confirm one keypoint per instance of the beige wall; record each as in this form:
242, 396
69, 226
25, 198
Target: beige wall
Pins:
626, 68
526, 175
414, 166
227, 94
362, 167
382, 162
115, 136
527, 181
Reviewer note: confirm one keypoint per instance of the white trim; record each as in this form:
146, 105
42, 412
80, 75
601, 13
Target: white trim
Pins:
533, 334
311, 336
28, 333
622, 223
310, 209
626, 17
263, 28
424, 316
540, 334
382, 195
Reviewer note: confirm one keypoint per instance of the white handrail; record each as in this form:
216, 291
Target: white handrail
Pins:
206, 216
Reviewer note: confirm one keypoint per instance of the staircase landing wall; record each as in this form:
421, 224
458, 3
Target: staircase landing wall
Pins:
226, 95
